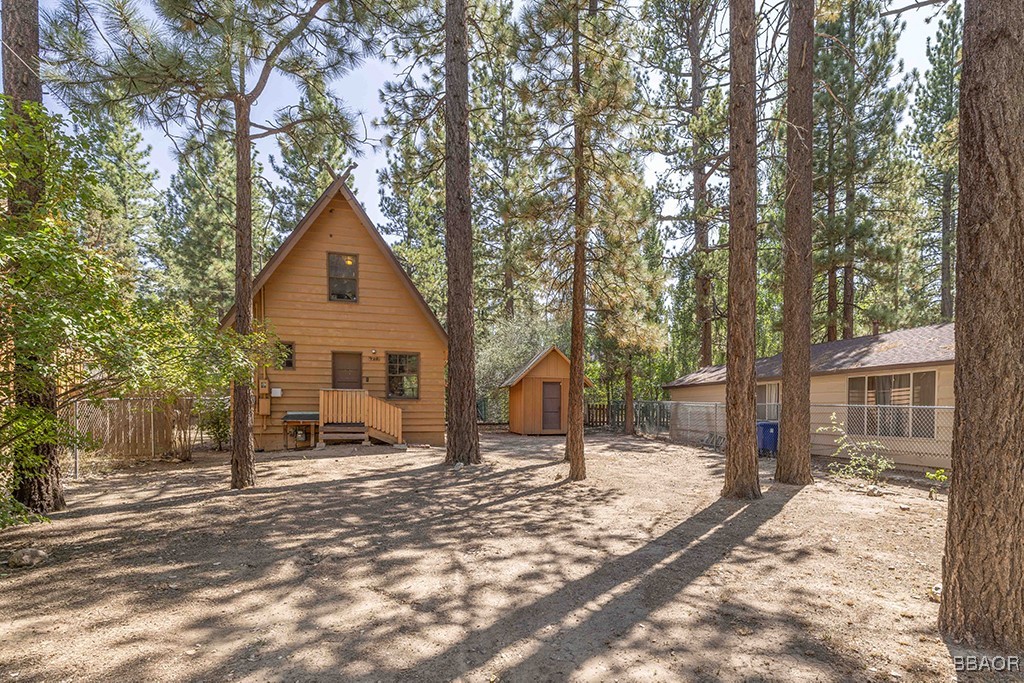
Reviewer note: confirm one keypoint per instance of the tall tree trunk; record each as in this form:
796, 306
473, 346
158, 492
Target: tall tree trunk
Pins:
983, 594
629, 425
243, 457
40, 489
794, 461
850, 190
463, 438
832, 298
848, 275
832, 333
741, 467
702, 279
574, 427
946, 277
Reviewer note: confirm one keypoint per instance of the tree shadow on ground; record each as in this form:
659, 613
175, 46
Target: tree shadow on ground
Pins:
397, 570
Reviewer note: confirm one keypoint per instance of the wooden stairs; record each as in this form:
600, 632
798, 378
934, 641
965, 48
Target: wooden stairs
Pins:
355, 431
348, 415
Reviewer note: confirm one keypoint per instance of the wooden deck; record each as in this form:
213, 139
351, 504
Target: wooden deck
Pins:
354, 415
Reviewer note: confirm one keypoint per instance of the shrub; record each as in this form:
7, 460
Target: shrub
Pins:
939, 476
862, 458
215, 420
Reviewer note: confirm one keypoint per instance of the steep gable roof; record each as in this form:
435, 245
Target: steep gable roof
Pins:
928, 345
522, 372
336, 187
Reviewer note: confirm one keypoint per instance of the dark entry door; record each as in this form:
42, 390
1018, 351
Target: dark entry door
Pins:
346, 370
552, 406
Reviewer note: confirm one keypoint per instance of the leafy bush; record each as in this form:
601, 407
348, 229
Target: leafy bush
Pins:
940, 477
215, 419
862, 458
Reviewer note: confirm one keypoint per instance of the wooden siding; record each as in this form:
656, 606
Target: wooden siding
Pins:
526, 397
515, 408
386, 318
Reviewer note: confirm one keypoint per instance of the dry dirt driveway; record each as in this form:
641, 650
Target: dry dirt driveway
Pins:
382, 565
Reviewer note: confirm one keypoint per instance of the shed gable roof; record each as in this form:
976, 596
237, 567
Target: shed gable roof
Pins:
533, 362
927, 345
339, 187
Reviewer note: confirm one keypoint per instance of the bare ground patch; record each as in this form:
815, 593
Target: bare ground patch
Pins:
383, 565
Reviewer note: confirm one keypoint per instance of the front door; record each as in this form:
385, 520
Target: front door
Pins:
552, 406
346, 370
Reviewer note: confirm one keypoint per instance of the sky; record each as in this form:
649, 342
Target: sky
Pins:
360, 90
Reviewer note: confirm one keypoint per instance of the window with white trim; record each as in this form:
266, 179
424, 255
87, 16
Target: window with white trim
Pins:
900, 404
768, 401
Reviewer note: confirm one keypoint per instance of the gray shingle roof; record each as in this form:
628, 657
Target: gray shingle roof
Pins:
931, 344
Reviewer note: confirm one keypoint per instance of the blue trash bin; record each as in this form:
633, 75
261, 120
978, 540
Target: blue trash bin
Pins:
767, 438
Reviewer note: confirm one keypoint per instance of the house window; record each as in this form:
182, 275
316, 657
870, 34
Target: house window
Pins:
892, 405
403, 375
288, 356
768, 401
343, 277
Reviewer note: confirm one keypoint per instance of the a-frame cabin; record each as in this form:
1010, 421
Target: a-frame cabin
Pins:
366, 354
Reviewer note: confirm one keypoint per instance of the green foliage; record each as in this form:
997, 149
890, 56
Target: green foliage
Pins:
510, 344
215, 419
862, 459
938, 476
860, 157
306, 156
193, 244
185, 357
126, 199
66, 304
73, 319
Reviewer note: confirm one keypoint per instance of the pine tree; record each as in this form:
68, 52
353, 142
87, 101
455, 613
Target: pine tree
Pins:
308, 156
192, 247
179, 62
500, 133
412, 201
690, 132
936, 102
858, 149
982, 591
463, 441
741, 466
794, 459
582, 86
125, 183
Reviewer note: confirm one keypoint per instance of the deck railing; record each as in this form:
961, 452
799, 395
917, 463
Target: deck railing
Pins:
356, 406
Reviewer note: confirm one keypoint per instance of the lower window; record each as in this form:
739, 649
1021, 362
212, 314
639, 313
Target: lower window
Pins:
892, 405
403, 375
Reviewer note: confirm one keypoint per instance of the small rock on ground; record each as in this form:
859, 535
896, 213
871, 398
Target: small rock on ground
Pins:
26, 557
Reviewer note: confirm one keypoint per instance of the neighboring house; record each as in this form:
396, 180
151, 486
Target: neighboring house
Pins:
538, 394
366, 356
885, 386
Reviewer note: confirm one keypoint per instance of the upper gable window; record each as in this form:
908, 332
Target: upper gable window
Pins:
342, 277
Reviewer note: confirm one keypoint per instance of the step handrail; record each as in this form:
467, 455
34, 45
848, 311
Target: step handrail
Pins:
357, 406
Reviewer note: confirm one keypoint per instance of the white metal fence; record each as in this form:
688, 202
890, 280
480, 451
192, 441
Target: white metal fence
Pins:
919, 437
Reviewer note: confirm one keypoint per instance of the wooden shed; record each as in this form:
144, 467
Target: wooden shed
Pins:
538, 394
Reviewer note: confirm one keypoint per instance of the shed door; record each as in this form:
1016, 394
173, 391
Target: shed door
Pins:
552, 406
347, 370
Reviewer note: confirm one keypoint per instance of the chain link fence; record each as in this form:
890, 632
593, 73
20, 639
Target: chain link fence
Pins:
917, 437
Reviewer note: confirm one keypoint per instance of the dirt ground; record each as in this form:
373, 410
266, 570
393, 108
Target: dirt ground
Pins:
384, 565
